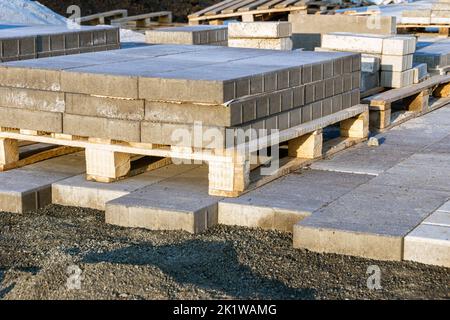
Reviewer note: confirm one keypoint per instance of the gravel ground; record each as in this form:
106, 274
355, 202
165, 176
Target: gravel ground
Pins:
37, 249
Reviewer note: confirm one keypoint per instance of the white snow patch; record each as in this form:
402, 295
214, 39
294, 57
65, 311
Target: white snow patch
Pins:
28, 12
131, 36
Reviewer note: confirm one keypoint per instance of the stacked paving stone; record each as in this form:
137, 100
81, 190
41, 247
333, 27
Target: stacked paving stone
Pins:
435, 52
24, 42
145, 94
307, 29
438, 14
190, 35
392, 54
260, 35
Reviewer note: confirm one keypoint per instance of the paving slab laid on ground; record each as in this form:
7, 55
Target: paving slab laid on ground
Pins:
77, 191
281, 204
177, 203
29, 188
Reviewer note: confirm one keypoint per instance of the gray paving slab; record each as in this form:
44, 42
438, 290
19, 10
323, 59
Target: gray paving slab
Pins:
77, 191
438, 218
370, 221
281, 204
429, 171
365, 160
29, 188
178, 203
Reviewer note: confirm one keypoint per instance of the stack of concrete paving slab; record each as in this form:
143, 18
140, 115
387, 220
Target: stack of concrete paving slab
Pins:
190, 35
308, 29
260, 35
392, 54
435, 52
439, 14
151, 94
30, 42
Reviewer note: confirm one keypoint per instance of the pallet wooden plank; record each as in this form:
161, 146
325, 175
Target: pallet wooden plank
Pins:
288, 3
397, 94
252, 6
269, 4
237, 6
206, 10
225, 5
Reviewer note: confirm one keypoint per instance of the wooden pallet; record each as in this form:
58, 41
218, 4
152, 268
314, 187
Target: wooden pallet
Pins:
416, 100
145, 20
443, 29
229, 170
103, 17
16, 154
245, 10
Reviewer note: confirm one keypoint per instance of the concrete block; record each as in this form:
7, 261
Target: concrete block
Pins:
438, 218
357, 225
397, 79
396, 63
266, 30
369, 81
31, 120
103, 128
104, 107
429, 244
190, 208
440, 6
416, 16
285, 202
420, 72
370, 63
32, 99
29, 188
343, 41
77, 191
29, 78
100, 84
440, 17
194, 35
399, 45
256, 43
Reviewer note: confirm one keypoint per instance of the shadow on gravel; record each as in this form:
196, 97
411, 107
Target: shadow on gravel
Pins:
4, 291
209, 265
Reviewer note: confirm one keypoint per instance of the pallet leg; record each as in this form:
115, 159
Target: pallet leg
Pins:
165, 19
106, 166
357, 127
444, 32
9, 151
442, 91
380, 119
418, 103
308, 146
228, 179
248, 18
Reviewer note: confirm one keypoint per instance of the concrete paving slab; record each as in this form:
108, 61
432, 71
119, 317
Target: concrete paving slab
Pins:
445, 207
29, 188
370, 221
365, 160
77, 191
426, 171
179, 203
429, 244
438, 218
286, 201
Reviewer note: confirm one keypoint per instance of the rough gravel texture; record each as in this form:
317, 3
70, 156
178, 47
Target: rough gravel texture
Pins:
36, 250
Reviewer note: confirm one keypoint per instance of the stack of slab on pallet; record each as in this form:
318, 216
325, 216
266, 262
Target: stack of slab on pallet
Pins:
392, 54
307, 30
260, 35
190, 35
437, 15
435, 52
148, 94
30, 42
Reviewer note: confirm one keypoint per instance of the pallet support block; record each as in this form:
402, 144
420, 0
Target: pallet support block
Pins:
357, 127
9, 151
308, 146
106, 166
442, 91
380, 118
228, 179
418, 103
